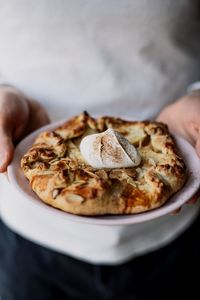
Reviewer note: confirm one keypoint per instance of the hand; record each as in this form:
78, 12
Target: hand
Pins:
19, 116
183, 118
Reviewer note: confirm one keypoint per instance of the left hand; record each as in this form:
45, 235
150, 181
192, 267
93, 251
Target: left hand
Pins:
183, 118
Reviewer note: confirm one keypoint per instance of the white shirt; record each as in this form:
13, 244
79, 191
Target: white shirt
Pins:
108, 57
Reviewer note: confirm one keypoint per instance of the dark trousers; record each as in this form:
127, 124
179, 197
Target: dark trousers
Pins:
31, 272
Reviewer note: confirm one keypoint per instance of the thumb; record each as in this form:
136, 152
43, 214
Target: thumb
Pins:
197, 146
6, 148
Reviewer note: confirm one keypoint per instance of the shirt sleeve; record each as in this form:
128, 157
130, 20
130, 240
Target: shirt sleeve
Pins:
195, 86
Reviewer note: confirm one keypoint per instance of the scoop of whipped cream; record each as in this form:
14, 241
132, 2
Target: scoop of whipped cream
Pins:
109, 149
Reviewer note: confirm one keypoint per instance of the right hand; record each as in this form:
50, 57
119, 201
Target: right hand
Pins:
19, 116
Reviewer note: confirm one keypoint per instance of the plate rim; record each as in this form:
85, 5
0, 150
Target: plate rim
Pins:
95, 220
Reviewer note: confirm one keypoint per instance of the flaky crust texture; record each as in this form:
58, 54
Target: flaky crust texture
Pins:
61, 177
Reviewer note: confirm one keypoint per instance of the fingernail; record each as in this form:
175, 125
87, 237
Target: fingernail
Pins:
3, 158
1, 164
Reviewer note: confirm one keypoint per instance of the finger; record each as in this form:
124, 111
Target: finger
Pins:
194, 199
42, 118
177, 211
38, 116
36, 119
197, 146
6, 150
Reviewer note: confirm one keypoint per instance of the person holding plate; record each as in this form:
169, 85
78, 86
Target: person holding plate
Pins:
132, 58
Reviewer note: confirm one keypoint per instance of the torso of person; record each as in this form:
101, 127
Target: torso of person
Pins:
121, 58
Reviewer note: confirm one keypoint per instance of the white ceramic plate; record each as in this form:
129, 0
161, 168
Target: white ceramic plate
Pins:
22, 187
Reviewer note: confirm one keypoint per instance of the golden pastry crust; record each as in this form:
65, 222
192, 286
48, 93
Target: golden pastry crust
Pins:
61, 177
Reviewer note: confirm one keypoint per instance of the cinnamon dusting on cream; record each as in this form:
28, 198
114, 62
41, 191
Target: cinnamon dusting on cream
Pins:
109, 149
